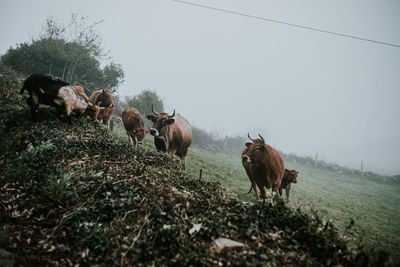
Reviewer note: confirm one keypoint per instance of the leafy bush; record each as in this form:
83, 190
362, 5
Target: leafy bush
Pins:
76, 58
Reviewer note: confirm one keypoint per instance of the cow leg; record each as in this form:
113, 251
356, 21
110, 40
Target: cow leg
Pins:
111, 125
134, 141
130, 138
262, 190
280, 191
106, 123
33, 102
287, 193
68, 110
184, 153
256, 191
184, 163
278, 187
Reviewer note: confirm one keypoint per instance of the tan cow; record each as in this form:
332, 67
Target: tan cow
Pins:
263, 164
172, 133
103, 98
134, 125
51, 91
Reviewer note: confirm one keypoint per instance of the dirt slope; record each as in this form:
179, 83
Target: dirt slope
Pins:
73, 194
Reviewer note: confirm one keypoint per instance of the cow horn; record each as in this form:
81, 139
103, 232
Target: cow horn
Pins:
248, 135
152, 108
261, 138
173, 114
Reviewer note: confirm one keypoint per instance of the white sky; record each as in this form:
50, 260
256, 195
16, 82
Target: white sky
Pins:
304, 91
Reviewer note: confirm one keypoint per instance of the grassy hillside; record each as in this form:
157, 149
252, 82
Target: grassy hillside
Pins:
373, 206
77, 195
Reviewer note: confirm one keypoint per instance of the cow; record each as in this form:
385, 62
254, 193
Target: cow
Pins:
104, 98
50, 91
134, 125
263, 164
289, 177
172, 133
92, 110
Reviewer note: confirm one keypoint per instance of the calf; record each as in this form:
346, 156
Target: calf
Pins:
134, 126
103, 98
289, 177
46, 90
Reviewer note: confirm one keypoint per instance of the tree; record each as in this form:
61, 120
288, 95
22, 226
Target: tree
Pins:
144, 100
71, 52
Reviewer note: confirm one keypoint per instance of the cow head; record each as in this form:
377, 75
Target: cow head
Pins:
161, 122
139, 134
161, 127
93, 110
291, 175
105, 99
255, 152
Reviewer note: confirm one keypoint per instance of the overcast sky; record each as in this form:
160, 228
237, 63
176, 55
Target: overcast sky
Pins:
304, 91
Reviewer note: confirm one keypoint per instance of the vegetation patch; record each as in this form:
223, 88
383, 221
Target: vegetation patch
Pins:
75, 195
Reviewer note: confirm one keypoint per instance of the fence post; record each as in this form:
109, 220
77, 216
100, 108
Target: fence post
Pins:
316, 160
362, 168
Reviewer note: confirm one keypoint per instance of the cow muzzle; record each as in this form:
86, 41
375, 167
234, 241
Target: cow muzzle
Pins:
246, 158
154, 132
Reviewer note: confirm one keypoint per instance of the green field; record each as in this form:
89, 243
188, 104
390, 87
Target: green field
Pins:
374, 206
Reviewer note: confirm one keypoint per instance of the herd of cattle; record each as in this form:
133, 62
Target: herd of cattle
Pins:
172, 133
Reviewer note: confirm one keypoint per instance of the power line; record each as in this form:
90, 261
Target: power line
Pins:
287, 23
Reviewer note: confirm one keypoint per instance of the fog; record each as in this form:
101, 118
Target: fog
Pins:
304, 91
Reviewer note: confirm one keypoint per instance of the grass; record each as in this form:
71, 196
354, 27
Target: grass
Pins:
374, 206
341, 198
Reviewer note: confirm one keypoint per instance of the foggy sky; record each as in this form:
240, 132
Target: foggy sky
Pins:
304, 91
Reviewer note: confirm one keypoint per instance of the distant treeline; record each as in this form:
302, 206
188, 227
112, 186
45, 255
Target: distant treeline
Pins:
210, 142
320, 164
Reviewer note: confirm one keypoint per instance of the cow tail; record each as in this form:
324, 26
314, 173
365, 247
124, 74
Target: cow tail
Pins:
250, 189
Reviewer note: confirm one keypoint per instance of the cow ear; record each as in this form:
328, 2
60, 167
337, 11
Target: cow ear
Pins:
151, 118
170, 121
248, 144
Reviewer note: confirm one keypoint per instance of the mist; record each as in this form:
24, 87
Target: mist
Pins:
306, 92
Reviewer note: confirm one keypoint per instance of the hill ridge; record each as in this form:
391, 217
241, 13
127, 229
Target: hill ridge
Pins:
73, 194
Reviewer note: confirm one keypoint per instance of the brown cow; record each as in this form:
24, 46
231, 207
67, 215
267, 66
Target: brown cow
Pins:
171, 133
92, 110
104, 98
289, 177
263, 164
134, 126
